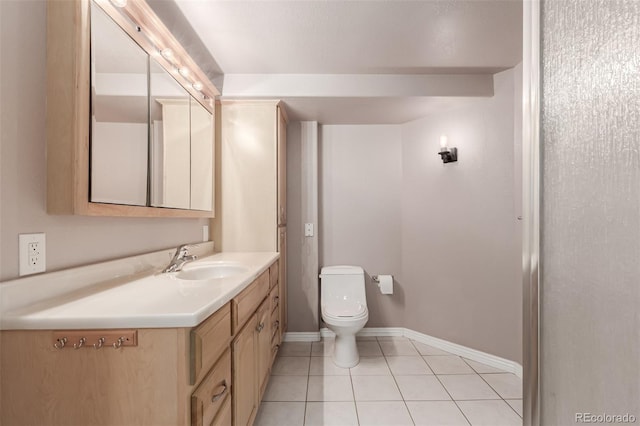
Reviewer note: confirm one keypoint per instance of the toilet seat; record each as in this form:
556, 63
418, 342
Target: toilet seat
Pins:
345, 310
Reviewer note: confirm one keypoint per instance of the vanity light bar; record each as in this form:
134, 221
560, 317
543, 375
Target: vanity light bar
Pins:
150, 33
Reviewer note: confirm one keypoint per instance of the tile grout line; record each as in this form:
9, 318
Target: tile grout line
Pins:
306, 396
498, 393
492, 388
451, 396
404, 401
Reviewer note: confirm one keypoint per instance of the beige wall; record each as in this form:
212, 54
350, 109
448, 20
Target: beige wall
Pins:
360, 210
590, 243
461, 254
71, 240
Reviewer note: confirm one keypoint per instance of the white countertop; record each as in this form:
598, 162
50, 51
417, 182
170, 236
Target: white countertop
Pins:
154, 300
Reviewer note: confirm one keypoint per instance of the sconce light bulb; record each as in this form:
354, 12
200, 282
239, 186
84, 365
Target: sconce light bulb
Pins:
119, 3
184, 72
443, 142
197, 85
167, 54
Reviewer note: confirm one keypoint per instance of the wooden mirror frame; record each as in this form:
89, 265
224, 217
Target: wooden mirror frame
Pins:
68, 101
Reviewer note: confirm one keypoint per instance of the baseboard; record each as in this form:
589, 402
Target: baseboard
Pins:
313, 336
463, 351
454, 348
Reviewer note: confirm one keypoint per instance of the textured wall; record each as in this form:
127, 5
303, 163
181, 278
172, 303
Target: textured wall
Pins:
590, 288
71, 240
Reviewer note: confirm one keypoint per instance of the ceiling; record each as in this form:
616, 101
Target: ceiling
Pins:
321, 47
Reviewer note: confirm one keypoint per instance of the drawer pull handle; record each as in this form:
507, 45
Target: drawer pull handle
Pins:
260, 327
217, 396
275, 348
276, 324
275, 299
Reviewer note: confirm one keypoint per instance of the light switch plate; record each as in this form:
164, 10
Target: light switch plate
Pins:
308, 229
205, 232
32, 253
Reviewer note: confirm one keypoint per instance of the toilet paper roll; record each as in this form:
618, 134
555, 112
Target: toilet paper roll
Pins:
385, 282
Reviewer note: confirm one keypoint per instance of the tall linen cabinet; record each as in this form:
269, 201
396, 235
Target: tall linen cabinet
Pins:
251, 182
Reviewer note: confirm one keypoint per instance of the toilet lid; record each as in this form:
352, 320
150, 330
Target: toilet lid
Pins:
344, 309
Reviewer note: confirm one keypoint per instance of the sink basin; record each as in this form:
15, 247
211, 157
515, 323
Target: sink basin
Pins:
209, 271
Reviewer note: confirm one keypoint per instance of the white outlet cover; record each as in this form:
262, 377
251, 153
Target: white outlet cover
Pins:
32, 253
308, 229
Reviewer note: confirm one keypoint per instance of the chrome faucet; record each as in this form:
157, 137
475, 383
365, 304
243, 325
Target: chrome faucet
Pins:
179, 259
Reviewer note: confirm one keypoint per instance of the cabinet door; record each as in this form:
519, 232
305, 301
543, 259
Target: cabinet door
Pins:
282, 168
263, 331
245, 387
283, 279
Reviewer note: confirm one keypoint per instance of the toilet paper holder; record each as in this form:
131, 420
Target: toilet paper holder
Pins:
375, 278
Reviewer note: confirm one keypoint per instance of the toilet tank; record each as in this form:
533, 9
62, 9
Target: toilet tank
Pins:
343, 282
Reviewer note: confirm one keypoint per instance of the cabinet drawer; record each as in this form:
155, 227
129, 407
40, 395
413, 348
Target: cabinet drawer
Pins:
246, 303
274, 274
274, 298
208, 341
208, 399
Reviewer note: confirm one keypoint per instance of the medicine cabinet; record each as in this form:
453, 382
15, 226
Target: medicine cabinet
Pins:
130, 124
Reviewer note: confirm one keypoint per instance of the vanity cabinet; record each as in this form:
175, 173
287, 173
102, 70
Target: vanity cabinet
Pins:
251, 140
212, 374
252, 347
148, 384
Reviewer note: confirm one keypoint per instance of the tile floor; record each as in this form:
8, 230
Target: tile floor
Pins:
397, 382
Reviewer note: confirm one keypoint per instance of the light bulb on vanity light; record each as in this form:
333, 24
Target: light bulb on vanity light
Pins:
448, 155
167, 54
119, 3
197, 85
184, 72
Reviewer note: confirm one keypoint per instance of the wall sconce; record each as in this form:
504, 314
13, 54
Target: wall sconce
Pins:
449, 155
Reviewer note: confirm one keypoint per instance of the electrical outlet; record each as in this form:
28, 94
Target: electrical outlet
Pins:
308, 229
205, 233
32, 253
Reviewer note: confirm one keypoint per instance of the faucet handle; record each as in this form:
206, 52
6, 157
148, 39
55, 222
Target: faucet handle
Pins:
182, 250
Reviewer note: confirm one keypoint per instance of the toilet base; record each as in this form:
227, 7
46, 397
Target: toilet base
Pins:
345, 351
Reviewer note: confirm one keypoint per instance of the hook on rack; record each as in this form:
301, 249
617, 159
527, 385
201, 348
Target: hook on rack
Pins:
99, 344
59, 344
119, 342
80, 343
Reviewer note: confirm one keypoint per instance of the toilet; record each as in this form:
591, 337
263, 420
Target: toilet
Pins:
343, 303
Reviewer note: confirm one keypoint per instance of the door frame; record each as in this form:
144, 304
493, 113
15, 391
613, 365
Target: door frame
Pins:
531, 203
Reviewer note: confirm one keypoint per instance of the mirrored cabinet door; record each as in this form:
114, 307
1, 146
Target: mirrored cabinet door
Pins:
170, 141
119, 115
201, 157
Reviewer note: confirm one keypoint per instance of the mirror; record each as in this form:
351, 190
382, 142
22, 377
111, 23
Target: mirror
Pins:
201, 157
170, 141
151, 141
119, 115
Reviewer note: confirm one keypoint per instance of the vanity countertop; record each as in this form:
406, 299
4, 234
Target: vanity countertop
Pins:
144, 300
